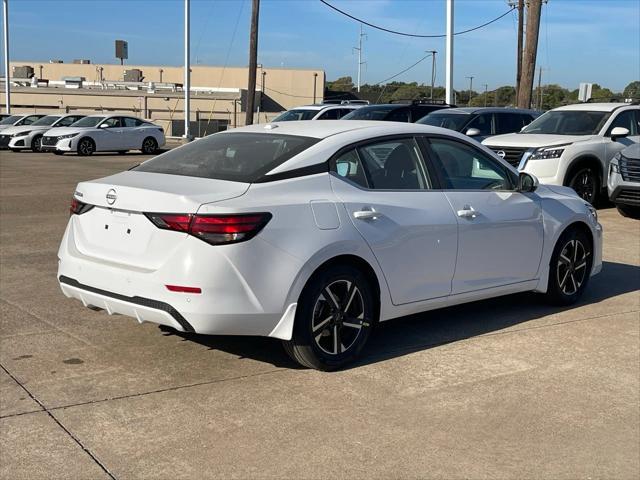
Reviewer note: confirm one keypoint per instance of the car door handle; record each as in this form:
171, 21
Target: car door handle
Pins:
366, 214
467, 212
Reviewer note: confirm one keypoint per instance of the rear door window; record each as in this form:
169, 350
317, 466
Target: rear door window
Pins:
510, 122
332, 114
400, 115
240, 157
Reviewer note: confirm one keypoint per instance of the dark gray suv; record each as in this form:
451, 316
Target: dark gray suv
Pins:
481, 122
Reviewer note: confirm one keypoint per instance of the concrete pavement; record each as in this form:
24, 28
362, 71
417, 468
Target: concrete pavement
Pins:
504, 388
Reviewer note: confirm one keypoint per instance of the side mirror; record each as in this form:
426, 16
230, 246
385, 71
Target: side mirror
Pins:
104, 125
527, 182
472, 132
619, 132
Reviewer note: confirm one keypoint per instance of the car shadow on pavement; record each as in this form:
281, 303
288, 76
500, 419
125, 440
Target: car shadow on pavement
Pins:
438, 327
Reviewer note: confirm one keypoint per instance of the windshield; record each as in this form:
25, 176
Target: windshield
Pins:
568, 122
48, 120
11, 120
239, 157
294, 115
452, 121
368, 113
88, 122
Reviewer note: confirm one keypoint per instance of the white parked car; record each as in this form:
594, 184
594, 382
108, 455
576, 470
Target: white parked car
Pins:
30, 136
624, 181
317, 112
313, 232
15, 120
105, 133
572, 145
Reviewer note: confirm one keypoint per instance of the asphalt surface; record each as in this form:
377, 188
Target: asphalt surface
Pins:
504, 388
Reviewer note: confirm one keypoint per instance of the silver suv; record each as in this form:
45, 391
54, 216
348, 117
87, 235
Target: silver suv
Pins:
624, 181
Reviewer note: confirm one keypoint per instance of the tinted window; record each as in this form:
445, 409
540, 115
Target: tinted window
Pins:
568, 122
465, 168
344, 111
65, 122
482, 122
452, 121
332, 114
10, 120
131, 122
88, 122
30, 119
510, 122
627, 120
294, 115
394, 165
240, 157
400, 115
348, 166
369, 113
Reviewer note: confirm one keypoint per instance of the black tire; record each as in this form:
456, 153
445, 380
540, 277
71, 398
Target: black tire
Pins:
630, 211
585, 181
86, 147
326, 319
570, 267
36, 144
58, 152
149, 146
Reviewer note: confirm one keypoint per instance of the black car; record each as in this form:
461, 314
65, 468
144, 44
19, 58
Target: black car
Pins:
403, 111
481, 122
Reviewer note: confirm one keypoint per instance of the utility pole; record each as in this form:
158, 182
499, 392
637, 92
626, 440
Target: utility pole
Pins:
534, 8
449, 54
433, 70
187, 73
520, 38
539, 102
7, 89
470, 88
253, 61
486, 87
315, 81
359, 50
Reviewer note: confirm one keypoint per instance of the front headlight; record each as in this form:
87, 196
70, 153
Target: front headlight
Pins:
20, 134
546, 153
592, 211
614, 168
71, 135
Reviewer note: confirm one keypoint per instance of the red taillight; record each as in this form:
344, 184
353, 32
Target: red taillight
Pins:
78, 207
213, 229
178, 288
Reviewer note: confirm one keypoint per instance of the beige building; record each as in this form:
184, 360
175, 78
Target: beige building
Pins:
218, 95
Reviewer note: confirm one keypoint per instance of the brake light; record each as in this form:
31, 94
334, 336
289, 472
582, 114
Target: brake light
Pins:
181, 289
213, 229
78, 207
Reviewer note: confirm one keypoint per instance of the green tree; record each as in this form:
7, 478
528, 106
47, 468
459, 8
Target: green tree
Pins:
632, 90
342, 84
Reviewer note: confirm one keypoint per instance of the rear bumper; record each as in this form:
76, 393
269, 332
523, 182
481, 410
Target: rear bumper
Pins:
143, 309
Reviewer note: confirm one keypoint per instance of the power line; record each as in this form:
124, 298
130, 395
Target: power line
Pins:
405, 70
377, 27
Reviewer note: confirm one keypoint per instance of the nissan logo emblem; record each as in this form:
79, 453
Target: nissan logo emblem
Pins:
111, 197
501, 153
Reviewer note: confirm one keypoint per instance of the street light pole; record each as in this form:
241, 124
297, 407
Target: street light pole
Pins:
7, 89
315, 80
449, 53
187, 73
470, 87
433, 70
486, 87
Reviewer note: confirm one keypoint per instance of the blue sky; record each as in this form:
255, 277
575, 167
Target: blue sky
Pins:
580, 40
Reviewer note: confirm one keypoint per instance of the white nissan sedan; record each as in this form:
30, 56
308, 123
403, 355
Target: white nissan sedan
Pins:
105, 133
313, 232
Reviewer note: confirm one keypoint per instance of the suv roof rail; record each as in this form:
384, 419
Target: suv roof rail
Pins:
345, 102
419, 101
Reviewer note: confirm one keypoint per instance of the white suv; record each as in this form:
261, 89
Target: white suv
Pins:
572, 145
317, 112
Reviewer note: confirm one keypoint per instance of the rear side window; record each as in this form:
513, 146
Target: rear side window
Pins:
238, 157
511, 122
401, 115
332, 114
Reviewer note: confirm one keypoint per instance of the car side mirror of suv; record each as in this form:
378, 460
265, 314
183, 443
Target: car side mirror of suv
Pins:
104, 125
619, 132
472, 132
527, 182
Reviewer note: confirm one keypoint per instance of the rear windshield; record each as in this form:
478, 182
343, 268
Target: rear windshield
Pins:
88, 122
295, 115
238, 157
452, 121
369, 113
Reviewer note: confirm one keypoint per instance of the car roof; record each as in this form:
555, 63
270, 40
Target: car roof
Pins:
593, 107
319, 107
471, 110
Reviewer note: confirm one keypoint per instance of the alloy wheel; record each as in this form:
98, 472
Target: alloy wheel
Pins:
85, 147
338, 317
584, 185
572, 266
37, 144
149, 145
